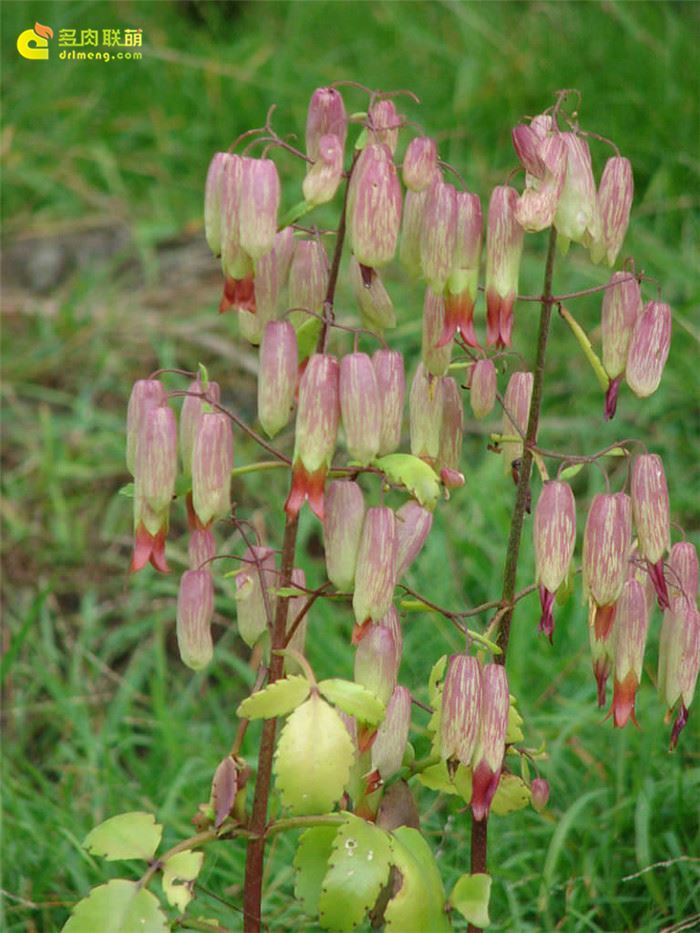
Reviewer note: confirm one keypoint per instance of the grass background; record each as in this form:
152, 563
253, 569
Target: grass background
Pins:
99, 716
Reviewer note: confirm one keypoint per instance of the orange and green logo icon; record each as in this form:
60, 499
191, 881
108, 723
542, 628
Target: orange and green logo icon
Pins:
34, 43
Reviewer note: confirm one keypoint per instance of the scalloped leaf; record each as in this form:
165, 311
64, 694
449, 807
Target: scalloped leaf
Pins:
418, 906
119, 906
181, 867
311, 865
128, 835
415, 474
437, 777
470, 896
571, 471
313, 758
353, 699
437, 674
514, 732
358, 869
511, 794
276, 699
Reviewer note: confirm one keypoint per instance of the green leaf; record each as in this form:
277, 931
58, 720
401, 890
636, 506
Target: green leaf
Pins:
289, 592
571, 471
183, 866
117, 907
513, 731
512, 794
437, 777
436, 676
127, 491
415, 474
311, 864
307, 337
129, 835
418, 906
358, 869
353, 699
470, 896
313, 758
276, 699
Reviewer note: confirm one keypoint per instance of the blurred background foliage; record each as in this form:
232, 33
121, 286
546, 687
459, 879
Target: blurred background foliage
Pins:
106, 278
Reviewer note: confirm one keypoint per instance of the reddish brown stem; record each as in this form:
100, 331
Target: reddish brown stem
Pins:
252, 895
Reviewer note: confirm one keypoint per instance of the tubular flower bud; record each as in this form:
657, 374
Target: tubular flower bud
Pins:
438, 234
260, 198
490, 748
277, 376
462, 284
679, 660
201, 548
420, 163
235, 261
342, 529
516, 405
155, 472
482, 395
622, 306
537, 206
425, 412
651, 511
391, 380
451, 435
436, 359
614, 202
648, 350
554, 531
383, 124
255, 601
326, 115
606, 545
460, 716
212, 202
392, 622
212, 462
409, 253
146, 394
390, 743
195, 609
193, 407
376, 667
376, 306
296, 605
374, 207
683, 570
324, 176
267, 289
577, 215
375, 573
413, 524
360, 406
630, 634
539, 791
251, 327
316, 430
308, 279
504, 246
526, 143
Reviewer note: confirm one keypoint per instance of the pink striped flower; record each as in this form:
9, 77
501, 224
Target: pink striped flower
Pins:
375, 572
615, 195
360, 407
651, 511
630, 633
554, 533
648, 350
504, 246
487, 760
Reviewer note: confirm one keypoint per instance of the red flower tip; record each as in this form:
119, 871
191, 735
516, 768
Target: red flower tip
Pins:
359, 630
656, 572
547, 619
365, 737
679, 725
611, 398
459, 317
148, 547
305, 486
604, 618
484, 785
238, 294
601, 669
622, 708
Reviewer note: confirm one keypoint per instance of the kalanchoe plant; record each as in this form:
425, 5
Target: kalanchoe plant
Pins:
343, 766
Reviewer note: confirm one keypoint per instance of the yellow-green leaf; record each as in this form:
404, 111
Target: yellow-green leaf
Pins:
358, 868
181, 867
437, 777
353, 699
313, 758
512, 794
470, 897
311, 865
436, 675
117, 907
418, 906
128, 835
514, 733
276, 699
415, 474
